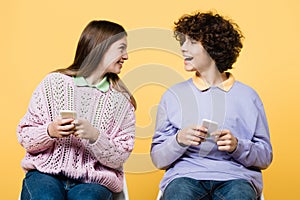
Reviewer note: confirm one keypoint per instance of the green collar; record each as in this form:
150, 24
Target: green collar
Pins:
102, 86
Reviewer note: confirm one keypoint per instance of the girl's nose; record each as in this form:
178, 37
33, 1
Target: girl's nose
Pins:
125, 56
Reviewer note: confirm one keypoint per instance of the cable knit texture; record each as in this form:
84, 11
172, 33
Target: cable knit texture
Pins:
101, 162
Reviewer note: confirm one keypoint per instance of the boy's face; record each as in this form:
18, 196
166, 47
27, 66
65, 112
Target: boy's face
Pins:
195, 56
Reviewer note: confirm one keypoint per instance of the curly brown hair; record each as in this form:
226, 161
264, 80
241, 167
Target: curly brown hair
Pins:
220, 37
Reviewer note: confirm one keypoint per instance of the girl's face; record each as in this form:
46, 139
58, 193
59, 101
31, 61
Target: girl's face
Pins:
115, 56
195, 56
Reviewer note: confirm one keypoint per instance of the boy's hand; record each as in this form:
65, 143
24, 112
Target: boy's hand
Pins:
192, 135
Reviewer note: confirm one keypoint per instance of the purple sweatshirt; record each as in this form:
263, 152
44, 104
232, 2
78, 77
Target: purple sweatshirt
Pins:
235, 107
107, 110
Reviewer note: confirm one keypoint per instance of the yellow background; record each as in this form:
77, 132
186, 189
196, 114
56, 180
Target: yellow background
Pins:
40, 36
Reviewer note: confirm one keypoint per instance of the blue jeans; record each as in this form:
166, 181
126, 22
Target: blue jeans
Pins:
41, 186
191, 189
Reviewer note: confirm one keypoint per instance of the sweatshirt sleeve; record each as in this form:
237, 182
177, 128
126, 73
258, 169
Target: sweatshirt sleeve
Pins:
165, 149
32, 129
257, 152
113, 147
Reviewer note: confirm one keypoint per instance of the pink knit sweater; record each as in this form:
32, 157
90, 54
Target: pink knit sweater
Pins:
101, 162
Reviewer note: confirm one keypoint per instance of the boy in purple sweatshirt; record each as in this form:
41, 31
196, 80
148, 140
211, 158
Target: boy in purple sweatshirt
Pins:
201, 163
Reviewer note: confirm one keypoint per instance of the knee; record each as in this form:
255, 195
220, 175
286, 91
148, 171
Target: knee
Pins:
179, 188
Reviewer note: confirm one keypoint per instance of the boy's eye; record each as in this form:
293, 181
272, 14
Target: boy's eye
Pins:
181, 42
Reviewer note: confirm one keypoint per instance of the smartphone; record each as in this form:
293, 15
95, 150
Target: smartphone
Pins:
68, 114
211, 126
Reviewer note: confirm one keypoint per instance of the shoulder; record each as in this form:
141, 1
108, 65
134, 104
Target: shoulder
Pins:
118, 94
177, 92
55, 83
243, 89
120, 98
246, 92
57, 76
178, 88
55, 79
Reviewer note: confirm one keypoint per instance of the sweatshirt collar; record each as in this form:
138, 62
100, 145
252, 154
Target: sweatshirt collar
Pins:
202, 85
102, 86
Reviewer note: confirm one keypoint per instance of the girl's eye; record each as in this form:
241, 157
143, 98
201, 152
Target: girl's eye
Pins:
122, 48
193, 41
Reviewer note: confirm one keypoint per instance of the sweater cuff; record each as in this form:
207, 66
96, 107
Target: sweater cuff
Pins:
102, 141
240, 149
44, 135
175, 146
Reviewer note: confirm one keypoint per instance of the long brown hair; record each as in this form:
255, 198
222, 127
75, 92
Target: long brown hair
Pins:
94, 41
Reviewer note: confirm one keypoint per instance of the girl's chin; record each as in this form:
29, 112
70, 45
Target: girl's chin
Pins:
118, 71
118, 68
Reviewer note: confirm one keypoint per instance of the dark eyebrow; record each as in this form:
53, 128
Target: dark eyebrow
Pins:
190, 38
123, 44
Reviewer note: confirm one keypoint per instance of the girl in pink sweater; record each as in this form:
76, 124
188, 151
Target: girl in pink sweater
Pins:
80, 157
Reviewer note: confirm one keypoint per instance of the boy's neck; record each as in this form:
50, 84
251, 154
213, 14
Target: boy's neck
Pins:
212, 77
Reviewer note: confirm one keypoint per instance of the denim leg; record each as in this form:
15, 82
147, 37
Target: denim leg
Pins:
40, 186
234, 189
187, 189
89, 191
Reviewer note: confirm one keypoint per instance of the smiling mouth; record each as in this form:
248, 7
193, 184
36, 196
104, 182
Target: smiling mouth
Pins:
120, 62
188, 58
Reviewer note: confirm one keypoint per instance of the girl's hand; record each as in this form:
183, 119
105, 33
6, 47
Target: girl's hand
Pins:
85, 130
61, 127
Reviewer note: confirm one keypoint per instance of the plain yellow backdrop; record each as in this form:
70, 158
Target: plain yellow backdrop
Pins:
40, 36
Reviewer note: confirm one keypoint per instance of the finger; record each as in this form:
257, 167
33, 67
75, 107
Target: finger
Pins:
223, 148
199, 133
203, 132
66, 133
192, 137
225, 143
194, 132
221, 138
224, 132
194, 143
67, 127
225, 136
75, 122
221, 143
76, 134
66, 121
200, 129
196, 139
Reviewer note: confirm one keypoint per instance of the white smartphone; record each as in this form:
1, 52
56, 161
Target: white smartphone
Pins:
68, 114
211, 126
